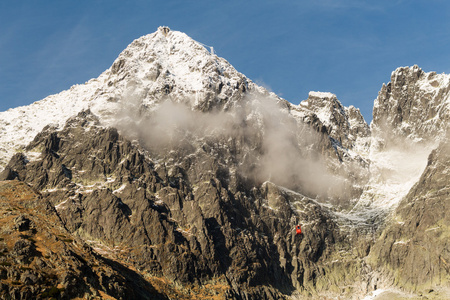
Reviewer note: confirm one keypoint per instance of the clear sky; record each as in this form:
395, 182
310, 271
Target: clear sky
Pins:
347, 47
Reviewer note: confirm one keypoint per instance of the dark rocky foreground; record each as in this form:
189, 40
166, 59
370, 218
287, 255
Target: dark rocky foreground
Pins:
40, 259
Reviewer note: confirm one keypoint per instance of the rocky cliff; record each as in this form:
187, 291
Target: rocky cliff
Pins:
414, 246
187, 219
414, 105
172, 175
411, 117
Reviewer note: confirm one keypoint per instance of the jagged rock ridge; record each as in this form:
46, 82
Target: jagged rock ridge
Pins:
414, 105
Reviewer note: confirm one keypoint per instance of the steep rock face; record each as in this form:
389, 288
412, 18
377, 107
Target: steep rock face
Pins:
345, 125
187, 218
406, 195
413, 105
343, 139
414, 248
410, 116
169, 67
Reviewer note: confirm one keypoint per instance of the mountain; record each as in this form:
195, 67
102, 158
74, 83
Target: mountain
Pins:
172, 175
149, 69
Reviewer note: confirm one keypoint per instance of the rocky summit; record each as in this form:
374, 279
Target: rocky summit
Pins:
174, 176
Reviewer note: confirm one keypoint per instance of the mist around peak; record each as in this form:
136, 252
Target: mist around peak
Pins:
258, 138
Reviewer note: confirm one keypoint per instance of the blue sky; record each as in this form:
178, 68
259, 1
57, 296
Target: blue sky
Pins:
347, 47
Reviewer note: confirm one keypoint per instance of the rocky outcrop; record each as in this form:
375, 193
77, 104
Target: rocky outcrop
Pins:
39, 259
342, 137
413, 105
345, 125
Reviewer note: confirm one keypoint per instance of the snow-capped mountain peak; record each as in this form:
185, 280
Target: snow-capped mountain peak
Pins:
163, 65
169, 62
